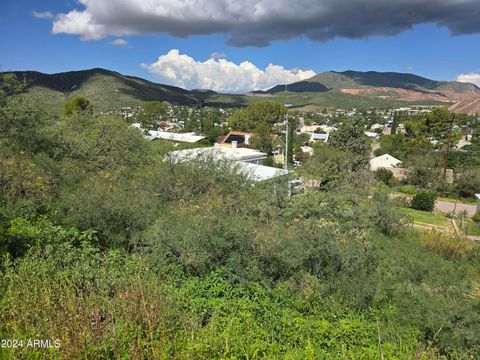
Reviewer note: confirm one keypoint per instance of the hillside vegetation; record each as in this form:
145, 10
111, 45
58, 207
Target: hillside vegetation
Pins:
118, 253
110, 90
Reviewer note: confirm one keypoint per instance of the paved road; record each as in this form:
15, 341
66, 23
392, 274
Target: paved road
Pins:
447, 206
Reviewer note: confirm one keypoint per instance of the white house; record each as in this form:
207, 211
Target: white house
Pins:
246, 162
384, 161
371, 134
218, 153
175, 137
314, 137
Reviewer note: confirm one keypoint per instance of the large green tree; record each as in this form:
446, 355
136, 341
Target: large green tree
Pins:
269, 112
152, 113
78, 105
350, 137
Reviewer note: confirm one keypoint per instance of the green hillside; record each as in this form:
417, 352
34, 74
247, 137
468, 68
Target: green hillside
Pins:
106, 89
109, 90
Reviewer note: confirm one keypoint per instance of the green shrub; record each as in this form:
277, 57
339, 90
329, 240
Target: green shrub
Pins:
383, 175
424, 200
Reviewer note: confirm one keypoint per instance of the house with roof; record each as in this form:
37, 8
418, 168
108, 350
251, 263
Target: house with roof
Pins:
385, 161
315, 137
241, 138
164, 135
246, 162
219, 152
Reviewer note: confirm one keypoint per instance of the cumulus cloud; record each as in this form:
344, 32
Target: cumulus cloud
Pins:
258, 22
470, 78
119, 42
221, 75
42, 14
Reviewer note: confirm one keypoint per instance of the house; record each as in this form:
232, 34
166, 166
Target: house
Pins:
465, 141
371, 134
319, 137
256, 172
164, 135
246, 162
385, 161
219, 152
278, 145
175, 137
242, 139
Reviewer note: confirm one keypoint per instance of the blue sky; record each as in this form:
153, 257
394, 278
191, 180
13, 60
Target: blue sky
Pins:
29, 44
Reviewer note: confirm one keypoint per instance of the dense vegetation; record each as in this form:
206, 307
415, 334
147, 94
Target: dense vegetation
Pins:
120, 254
426, 148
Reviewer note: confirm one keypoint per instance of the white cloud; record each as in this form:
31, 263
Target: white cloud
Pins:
221, 75
469, 78
42, 14
78, 22
119, 42
259, 22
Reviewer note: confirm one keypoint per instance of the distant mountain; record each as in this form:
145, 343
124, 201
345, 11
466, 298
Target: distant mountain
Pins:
387, 85
109, 90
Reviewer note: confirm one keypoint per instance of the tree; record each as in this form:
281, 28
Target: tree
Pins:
350, 137
10, 86
269, 112
152, 113
425, 171
209, 126
77, 105
330, 166
240, 120
467, 183
292, 125
424, 200
383, 175
262, 138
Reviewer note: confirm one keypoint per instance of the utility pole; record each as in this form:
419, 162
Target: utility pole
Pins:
447, 151
286, 141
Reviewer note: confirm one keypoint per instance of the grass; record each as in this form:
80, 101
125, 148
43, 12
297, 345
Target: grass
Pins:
432, 218
471, 227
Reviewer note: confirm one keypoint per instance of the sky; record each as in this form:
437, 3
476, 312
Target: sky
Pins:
242, 45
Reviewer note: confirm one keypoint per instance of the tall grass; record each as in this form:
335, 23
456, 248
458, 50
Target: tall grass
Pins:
449, 245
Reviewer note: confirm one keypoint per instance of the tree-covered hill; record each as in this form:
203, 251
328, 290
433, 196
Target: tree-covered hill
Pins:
110, 90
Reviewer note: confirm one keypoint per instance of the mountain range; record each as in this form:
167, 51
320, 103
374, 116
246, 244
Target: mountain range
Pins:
109, 90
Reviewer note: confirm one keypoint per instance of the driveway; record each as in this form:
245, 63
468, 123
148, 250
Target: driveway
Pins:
447, 207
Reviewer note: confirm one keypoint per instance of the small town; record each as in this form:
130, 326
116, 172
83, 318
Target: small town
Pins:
235, 180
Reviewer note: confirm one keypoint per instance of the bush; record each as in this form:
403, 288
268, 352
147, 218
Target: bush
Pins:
394, 182
424, 200
383, 175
